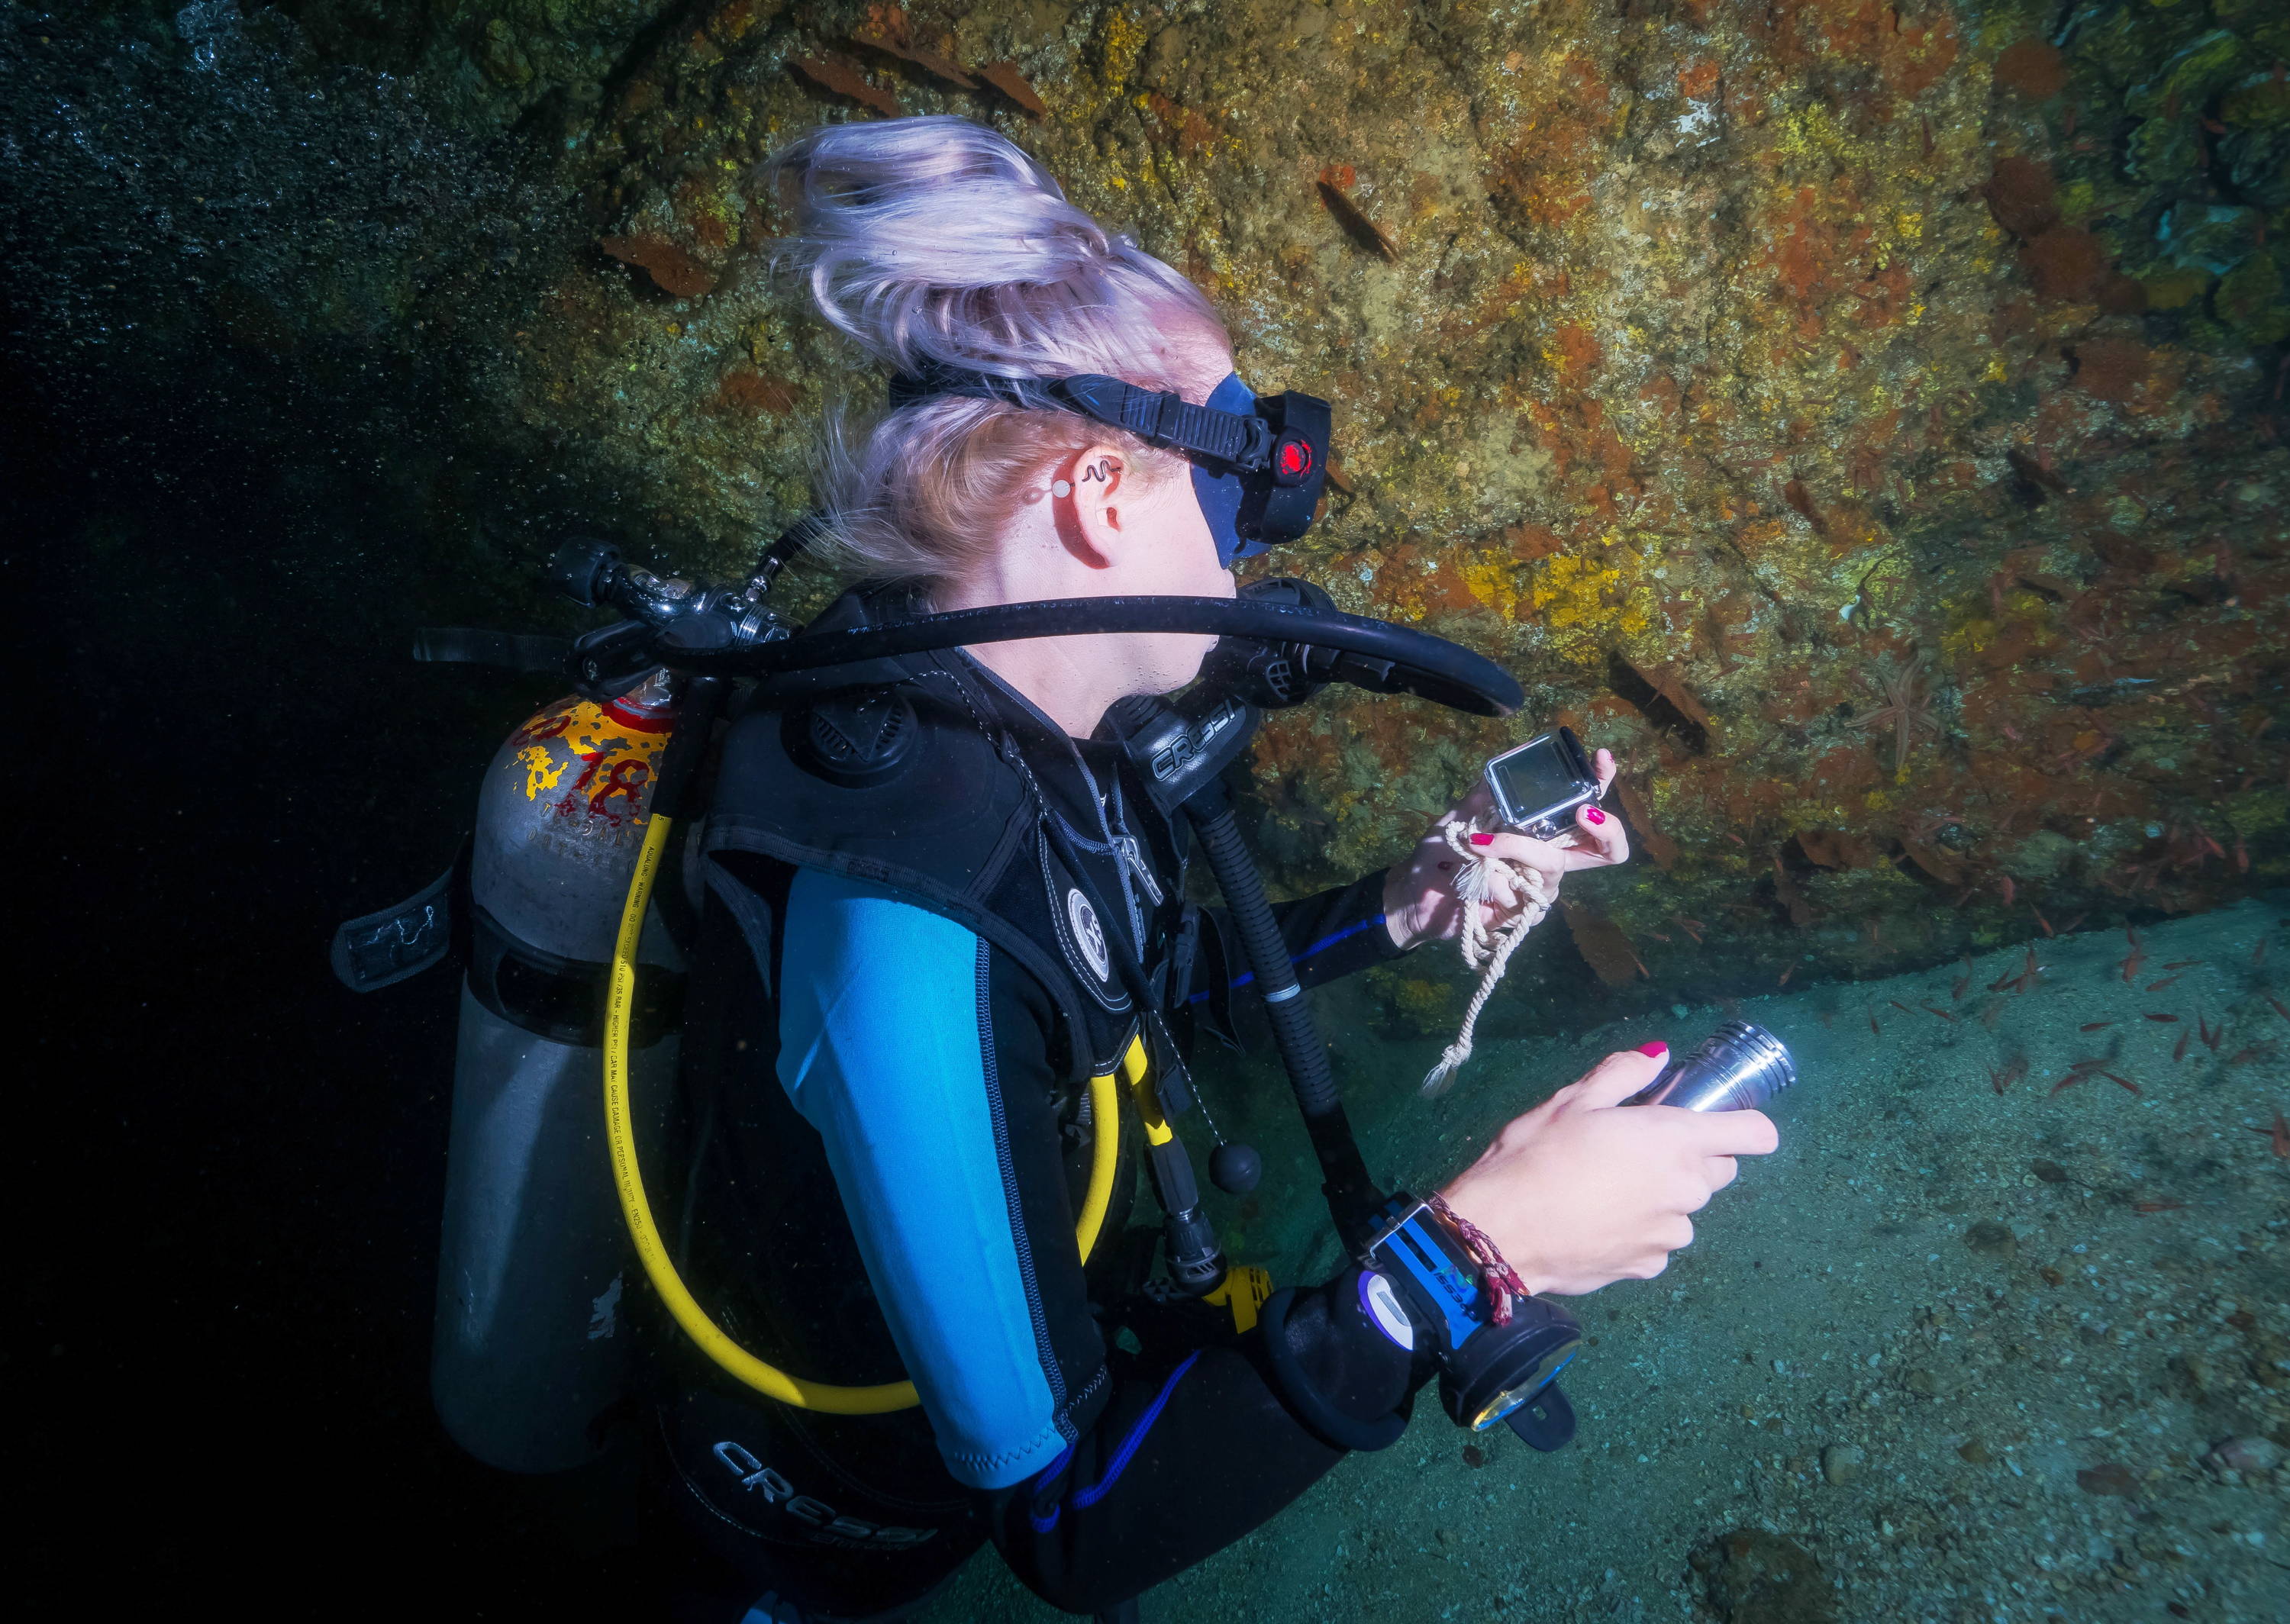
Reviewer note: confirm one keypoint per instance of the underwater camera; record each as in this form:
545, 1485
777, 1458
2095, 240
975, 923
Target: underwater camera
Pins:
1537, 786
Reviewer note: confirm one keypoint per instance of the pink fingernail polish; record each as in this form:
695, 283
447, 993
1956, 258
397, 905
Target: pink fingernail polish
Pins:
1483, 840
1594, 814
1655, 1049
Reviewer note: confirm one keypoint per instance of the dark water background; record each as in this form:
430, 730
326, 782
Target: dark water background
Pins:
228, 1172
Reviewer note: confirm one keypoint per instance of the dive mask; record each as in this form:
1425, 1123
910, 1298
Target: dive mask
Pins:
1260, 462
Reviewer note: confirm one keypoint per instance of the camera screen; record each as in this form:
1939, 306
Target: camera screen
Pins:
1535, 777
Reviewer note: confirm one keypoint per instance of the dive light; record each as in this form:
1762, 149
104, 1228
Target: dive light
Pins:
1737, 1068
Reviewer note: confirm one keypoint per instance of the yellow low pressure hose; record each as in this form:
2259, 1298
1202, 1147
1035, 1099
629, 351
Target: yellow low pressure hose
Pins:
620, 1128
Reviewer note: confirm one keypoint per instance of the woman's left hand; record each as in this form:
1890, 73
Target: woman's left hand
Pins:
1419, 900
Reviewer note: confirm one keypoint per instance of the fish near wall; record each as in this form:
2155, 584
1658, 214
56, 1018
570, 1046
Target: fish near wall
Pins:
1866, 419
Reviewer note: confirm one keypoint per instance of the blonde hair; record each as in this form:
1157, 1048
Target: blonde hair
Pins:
934, 240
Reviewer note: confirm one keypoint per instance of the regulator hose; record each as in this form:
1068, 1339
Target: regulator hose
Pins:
1352, 1197
678, 774
1373, 654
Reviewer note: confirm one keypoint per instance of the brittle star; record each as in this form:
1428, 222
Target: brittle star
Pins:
1907, 708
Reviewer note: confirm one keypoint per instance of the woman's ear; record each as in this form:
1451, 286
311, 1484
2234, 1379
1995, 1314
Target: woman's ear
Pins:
1097, 519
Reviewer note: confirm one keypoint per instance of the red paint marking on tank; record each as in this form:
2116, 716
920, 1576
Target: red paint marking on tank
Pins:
544, 727
627, 716
622, 779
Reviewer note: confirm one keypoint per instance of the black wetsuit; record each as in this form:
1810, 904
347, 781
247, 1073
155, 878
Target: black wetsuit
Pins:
899, 994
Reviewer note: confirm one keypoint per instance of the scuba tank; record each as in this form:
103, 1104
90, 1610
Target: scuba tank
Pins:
532, 1346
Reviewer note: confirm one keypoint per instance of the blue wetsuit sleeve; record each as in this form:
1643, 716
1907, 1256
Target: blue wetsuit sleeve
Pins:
1329, 934
887, 1049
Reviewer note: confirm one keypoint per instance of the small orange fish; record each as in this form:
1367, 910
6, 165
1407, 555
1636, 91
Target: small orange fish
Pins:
2183, 963
2179, 1049
1005, 78
1785, 976
2279, 1010
2243, 1057
2093, 1026
2124, 1084
1943, 1014
2280, 1135
2151, 1015
2167, 981
2039, 918
1364, 232
1897, 1004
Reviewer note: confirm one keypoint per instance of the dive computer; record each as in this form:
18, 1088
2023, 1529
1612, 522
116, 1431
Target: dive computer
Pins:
1488, 1373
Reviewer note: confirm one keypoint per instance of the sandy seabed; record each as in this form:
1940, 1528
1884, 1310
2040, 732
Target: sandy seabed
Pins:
1951, 1354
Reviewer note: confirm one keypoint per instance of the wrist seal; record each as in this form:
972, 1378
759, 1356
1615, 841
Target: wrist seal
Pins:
1488, 1373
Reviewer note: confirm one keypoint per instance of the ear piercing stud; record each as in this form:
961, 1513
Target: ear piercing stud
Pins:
1060, 487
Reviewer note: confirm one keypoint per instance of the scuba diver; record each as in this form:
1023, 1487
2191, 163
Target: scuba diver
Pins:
941, 967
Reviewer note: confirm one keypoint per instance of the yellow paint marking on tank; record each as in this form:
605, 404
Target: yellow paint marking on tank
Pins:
604, 749
540, 774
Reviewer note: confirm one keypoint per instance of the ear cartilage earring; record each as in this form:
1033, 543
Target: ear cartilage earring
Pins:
1059, 487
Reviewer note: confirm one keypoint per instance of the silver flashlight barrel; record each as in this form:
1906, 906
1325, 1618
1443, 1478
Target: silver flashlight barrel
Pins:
1737, 1068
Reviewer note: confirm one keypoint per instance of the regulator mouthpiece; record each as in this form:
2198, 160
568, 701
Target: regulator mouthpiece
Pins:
1737, 1068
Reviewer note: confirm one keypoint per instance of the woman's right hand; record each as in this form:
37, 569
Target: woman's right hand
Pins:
1580, 1193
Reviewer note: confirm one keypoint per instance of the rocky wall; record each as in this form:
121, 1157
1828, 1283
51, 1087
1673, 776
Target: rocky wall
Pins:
1866, 419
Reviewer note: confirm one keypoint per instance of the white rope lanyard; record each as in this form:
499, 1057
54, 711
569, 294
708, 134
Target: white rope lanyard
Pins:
1487, 951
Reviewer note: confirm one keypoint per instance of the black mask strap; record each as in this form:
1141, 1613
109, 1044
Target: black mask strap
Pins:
1227, 439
